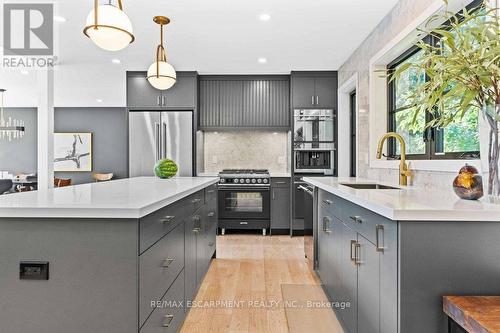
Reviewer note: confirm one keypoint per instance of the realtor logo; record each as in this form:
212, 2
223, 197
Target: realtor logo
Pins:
28, 29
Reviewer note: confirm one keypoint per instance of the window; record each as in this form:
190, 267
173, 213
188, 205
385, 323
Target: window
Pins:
459, 139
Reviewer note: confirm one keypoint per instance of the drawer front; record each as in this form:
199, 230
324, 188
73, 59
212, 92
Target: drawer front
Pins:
157, 224
159, 266
211, 193
211, 216
331, 202
367, 223
280, 182
194, 202
169, 316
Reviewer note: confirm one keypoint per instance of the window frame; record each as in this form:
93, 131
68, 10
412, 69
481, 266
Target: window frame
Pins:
432, 136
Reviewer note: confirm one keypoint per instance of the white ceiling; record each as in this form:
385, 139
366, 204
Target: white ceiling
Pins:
218, 36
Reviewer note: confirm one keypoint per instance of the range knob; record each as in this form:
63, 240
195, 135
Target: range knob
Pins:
265, 181
242, 181
247, 181
259, 180
236, 181
253, 181
222, 180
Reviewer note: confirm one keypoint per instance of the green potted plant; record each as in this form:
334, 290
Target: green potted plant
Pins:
462, 76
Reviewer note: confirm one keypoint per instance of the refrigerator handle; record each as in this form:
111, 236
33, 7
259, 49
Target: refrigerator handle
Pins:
164, 153
157, 141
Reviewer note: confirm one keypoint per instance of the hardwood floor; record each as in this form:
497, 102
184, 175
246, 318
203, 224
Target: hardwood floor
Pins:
249, 269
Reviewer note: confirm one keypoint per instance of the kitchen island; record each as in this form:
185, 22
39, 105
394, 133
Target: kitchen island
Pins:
120, 256
394, 252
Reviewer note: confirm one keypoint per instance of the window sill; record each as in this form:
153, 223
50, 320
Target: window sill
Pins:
451, 166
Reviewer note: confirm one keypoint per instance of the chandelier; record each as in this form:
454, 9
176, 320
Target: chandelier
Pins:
10, 128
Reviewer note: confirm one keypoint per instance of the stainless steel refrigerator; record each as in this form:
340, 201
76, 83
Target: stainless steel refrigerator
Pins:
157, 135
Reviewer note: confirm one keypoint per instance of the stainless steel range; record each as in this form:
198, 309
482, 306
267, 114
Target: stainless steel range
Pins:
244, 200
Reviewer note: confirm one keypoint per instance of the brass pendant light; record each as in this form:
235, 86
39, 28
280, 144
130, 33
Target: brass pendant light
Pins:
109, 27
161, 74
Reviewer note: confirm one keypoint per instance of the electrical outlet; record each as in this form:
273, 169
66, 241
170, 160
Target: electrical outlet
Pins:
34, 270
214, 159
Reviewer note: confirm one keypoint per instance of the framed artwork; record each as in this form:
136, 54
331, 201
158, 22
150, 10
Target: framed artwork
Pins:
73, 152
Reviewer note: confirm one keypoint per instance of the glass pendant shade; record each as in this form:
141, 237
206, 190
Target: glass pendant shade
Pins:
161, 74
164, 78
113, 30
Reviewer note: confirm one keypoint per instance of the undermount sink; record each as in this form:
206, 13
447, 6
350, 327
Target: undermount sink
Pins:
371, 187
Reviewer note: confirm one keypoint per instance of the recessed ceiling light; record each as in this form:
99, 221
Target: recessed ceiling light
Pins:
24, 72
60, 19
116, 61
262, 60
99, 100
264, 17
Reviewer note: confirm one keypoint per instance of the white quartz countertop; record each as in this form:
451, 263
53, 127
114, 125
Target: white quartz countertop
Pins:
124, 198
409, 203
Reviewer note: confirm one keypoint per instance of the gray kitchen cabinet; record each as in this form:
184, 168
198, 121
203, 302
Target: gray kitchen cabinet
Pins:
303, 93
314, 89
347, 265
141, 94
368, 286
242, 101
281, 202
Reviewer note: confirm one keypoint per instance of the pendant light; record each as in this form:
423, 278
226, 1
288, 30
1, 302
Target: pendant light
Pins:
161, 74
109, 27
10, 128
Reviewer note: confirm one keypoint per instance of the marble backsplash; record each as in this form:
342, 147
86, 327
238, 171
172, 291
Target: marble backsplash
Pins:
246, 150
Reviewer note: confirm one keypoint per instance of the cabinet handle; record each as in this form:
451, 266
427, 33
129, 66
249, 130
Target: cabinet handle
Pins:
244, 223
326, 224
163, 101
280, 182
317, 100
167, 320
159, 100
328, 202
274, 197
195, 201
167, 262
210, 191
196, 230
312, 100
167, 219
353, 242
379, 228
357, 254
356, 219
211, 214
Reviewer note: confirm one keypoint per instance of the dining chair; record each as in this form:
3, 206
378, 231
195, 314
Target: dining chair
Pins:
61, 182
102, 177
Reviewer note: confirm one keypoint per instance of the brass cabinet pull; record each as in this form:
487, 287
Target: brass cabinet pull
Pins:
167, 262
378, 229
326, 225
353, 242
167, 320
356, 219
357, 254
167, 219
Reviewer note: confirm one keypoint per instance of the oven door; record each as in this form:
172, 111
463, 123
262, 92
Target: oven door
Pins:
244, 203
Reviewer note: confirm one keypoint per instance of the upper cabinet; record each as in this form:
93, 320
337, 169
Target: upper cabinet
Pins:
244, 102
314, 90
183, 95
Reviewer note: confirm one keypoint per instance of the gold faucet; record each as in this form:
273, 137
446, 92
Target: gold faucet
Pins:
404, 170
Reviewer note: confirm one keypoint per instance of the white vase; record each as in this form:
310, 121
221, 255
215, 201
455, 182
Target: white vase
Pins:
489, 133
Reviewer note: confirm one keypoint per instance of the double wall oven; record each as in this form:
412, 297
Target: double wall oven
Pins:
244, 200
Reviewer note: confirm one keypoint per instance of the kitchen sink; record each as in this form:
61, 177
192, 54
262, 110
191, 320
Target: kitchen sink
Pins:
371, 186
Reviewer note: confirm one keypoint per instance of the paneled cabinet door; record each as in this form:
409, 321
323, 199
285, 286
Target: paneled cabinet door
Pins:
325, 92
280, 208
209, 103
368, 287
231, 103
182, 94
325, 245
266, 103
303, 94
142, 94
190, 257
348, 266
